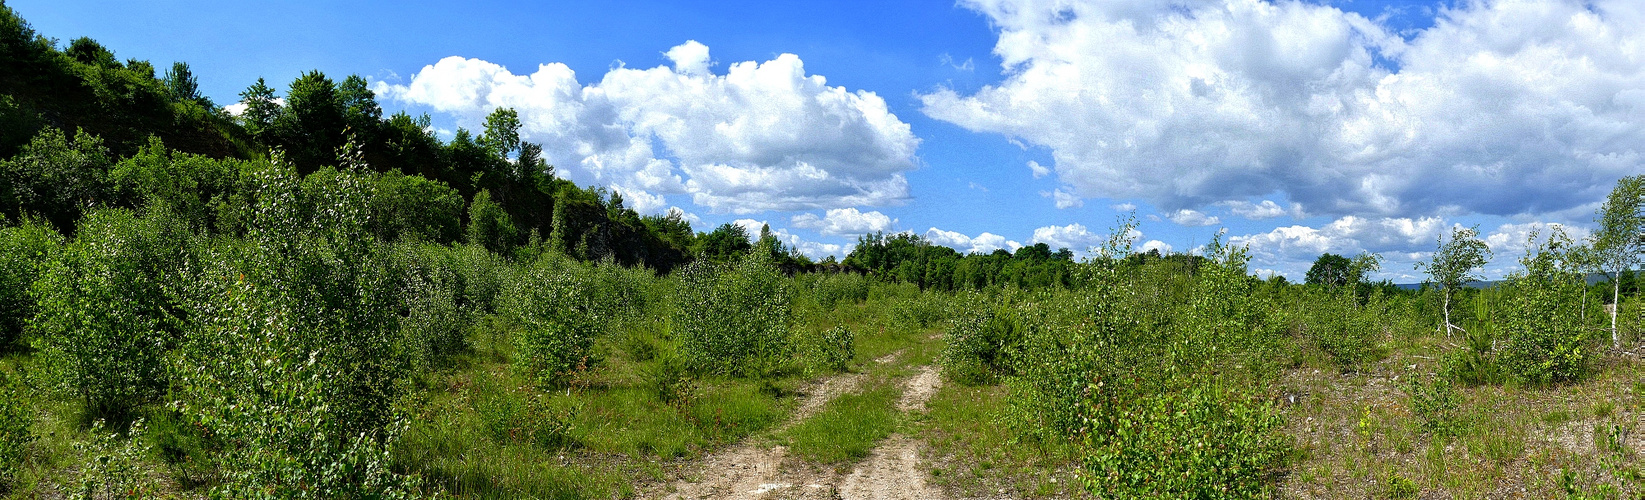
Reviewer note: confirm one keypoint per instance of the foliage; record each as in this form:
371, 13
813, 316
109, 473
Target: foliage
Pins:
1342, 327
1618, 245
16, 418
1203, 441
833, 349
106, 314
558, 320
832, 289
25, 252
1436, 405
292, 359
111, 466
1329, 269
1455, 263
732, 319
489, 225
55, 177
1544, 340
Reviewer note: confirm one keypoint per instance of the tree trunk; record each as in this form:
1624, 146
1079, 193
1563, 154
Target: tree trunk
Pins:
1616, 305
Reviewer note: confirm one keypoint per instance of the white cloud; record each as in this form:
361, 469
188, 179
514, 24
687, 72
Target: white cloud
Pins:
1163, 247
1502, 107
1124, 207
982, 243
1073, 237
762, 136
1193, 218
239, 108
1038, 170
1508, 241
813, 249
1291, 249
1265, 210
845, 222
1063, 199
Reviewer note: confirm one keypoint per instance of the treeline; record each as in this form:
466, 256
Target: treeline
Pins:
71, 116
910, 258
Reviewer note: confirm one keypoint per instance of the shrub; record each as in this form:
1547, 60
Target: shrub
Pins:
732, 320
111, 468
432, 326
557, 317
1202, 441
25, 251
1544, 339
831, 289
15, 419
977, 343
833, 349
1437, 405
105, 313
1342, 328
292, 361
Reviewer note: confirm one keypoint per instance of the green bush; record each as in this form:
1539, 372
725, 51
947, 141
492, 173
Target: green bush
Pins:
432, 324
25, 251
558, 319
106, 317
292, 360
831, 289
977, 344
1437, 405
833, 349
1341, 327
1544, 340
733, 320
16, 417
1202, 441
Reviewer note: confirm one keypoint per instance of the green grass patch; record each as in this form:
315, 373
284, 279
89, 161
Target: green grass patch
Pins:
847, 428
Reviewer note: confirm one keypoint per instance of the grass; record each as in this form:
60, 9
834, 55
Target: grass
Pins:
975, 457
847, 428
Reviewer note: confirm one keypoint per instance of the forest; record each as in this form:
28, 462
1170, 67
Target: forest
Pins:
308, 299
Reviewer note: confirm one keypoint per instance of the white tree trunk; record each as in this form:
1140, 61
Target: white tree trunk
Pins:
1616, 303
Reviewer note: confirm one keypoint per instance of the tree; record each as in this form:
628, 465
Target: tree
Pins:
1330, 270
313, 124
261, 109
1620, 242
1455, 263
184, 87
502, 132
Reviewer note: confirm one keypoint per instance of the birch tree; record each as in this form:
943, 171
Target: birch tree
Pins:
1620, 242
1455, 263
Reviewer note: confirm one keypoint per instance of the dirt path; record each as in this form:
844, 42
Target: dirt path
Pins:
756, 470
893, 471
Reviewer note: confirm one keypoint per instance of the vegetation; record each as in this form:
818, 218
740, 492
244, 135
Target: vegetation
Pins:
309, 300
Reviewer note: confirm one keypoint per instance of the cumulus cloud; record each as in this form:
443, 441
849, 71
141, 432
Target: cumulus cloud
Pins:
1292, 249
813, 249
239, 108
1073, 237
1193, 218
1063, 199
982, 243
1501, 107
1265, 210
1163, 247
845, 222
761, 136
1510, 241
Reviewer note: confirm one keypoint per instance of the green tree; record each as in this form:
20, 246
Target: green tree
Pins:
489, 225
1620, 242
502, 132
261, 110
314, 123
55, 178
184, 87
1455, 263
1330, 270
1544, 338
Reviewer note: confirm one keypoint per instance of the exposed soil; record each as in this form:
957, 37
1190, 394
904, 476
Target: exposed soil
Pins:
758, 470
893, 471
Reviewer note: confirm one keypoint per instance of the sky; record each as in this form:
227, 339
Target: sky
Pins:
1293, 128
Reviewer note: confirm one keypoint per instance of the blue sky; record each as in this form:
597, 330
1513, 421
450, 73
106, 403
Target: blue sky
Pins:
1299, 127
